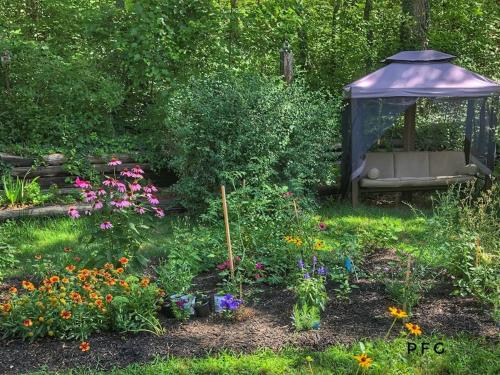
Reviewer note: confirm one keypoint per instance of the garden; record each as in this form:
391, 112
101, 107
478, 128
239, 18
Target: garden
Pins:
171, 202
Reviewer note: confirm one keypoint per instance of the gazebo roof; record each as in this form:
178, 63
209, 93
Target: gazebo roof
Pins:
421, 74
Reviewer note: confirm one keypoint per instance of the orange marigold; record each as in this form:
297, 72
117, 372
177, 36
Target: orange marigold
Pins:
28, 285
119, 270
123, 283
109, 298
65, 314
84, 346
70, 268
27, 323
108, 266
13, 290
54, 279
123, 260
145, 282
6, 307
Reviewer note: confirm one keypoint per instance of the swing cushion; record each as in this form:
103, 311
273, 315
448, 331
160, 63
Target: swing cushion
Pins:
416, 169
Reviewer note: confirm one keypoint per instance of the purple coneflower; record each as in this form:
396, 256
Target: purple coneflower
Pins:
140, 210
82, 184
259, 266
98, 205
158, 212
153, 200
114, 162
322, 226
106, 225
135, 186
73, 213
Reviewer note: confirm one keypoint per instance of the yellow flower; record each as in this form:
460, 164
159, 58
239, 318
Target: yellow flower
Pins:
50, 333
363, 360
318, 244
397, 313
41, 319
414, 329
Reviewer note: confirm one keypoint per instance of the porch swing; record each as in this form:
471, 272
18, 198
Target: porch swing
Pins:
375, 102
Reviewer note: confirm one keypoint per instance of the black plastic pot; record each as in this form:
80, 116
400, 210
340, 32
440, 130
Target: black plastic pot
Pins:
166, 310
203, 309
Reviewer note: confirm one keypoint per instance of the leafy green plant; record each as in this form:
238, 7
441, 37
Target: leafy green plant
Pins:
312, 292
175, 277
22, 191
305, 317
7, 257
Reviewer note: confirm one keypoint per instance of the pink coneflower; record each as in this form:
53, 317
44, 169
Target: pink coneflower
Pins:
150, 189
159, 212
98, 205
322, 226
109, 182
122, 203
101, 192
73, 213
126, 173
137, 170
259, 266
152, 200
114, 162
106, 225
89, 195
135, 186
82, 184
120, 186
140, 210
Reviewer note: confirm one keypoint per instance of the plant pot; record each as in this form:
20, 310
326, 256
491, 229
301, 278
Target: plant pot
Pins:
316, 325
217, 299
166, 310
189, 298
202, 309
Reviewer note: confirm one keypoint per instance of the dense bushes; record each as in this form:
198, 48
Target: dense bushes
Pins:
247, 127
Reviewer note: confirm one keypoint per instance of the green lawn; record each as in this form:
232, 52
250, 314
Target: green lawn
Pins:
461, 356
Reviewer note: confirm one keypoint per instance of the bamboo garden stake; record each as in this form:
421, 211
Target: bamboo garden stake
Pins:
228, 234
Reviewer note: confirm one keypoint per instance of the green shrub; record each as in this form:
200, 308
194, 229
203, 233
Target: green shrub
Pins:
255, 127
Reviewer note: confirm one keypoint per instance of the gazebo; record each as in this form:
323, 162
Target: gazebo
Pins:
376, 101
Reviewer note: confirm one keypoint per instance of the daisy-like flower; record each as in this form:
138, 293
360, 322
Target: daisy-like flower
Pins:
319, 244
89, 196
54, 279
153, 201
28, 286
363, 360
101, 192
82, 184
114, 162
13, 290
414, 329
109, 182
73, 213
27, 322
137, 169
38, 257
109, 298
158, 212
6, 307
123, 260
135, 186
259, 266
123, 283
150, 189
123, 203
322, 226
106, 225
145, 282
126, 173
119, 270
140, 210
65, 314
397, 313
98, 205
121, 187
84, 346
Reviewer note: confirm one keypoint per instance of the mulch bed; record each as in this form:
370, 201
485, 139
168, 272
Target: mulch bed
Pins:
364, 316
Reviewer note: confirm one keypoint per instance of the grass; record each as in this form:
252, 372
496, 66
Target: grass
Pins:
461, 356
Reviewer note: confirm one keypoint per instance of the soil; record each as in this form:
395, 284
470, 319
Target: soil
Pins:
268, 325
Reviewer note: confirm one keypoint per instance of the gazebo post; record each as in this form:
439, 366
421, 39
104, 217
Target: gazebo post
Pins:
409, 132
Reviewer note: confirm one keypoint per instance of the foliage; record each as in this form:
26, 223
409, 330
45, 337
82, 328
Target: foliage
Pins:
175, 276
305, 317
227, 124
467, 233
7, 257
19, 191
76, 302
119, 206
312, 292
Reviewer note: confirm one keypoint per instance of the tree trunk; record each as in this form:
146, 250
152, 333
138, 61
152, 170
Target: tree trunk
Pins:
369, 34
413, 29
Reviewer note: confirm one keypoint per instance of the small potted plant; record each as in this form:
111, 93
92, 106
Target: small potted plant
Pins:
228, 305
176, 278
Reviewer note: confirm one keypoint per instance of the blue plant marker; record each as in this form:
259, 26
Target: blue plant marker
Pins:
348, 264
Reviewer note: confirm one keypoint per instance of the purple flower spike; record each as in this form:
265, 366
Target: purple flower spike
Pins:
300, 264
315, 259
322, 271
307, 276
